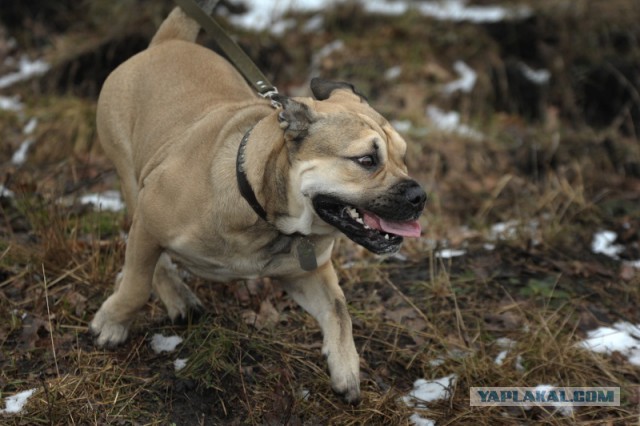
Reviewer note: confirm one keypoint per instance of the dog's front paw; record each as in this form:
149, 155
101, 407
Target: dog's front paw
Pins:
348, 387
108, 332
344, 367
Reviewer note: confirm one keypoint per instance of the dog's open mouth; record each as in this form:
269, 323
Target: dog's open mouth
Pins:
379, 235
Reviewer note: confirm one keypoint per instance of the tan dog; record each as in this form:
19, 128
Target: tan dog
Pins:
173, 118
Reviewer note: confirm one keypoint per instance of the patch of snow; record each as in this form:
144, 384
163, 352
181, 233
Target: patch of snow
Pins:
429, 391
489, 246
633, 330
633, 263
506, 343
457, 11
315, 24
393, 73
501, 357
180, 363
449, 253
264, 15
348, 265
20, 156
449, 10
503, 230
634, 358
398, 257
436, 362
304, 394
11, 103
623, 337
17, 313
327, 50
402, 126
26, 69
465, 83
15, 403
450, 122
519, 365
418, 420
566, 411
106, 201
603, 243
4, 192
30, 127
160, 343
385, 8
281, 27
538, 77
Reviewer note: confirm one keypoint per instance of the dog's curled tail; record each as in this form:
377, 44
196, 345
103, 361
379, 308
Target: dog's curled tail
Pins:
179, 26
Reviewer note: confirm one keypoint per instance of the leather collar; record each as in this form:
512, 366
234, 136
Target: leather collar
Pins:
302, 245
243, 183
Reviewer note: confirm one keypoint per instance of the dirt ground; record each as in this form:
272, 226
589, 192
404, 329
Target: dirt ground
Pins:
521, 185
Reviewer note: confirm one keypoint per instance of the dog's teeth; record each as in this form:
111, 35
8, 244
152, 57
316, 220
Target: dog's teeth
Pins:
353, 213
386, 236
361, 222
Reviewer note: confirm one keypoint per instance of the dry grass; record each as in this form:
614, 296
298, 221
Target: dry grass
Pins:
558, 180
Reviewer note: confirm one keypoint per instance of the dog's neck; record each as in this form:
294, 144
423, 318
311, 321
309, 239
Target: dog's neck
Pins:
304, 248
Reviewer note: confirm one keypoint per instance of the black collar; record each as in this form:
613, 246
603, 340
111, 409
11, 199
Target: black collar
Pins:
304, 248
243, 183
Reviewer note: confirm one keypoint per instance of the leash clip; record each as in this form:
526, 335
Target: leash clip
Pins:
268, 91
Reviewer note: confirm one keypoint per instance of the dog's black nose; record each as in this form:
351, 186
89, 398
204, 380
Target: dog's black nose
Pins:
415, 195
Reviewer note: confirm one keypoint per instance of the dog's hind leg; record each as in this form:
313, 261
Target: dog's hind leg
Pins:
180, 302
319, 294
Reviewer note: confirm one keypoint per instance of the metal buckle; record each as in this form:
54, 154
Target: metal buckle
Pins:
269, 92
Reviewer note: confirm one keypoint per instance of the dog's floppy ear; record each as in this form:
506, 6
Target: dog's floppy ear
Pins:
322, 89
295, 118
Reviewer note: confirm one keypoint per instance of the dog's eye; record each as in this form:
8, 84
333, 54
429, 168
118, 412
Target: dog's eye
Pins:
367, 161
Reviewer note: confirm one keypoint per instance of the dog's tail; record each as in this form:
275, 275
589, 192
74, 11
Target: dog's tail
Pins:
179, 26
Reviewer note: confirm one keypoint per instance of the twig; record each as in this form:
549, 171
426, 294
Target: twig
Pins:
244, 391
13, 278
462, 330
410, 303
46, 393
633, 91
46, 298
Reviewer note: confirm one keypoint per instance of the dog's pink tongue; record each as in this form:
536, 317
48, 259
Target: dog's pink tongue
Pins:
406, 229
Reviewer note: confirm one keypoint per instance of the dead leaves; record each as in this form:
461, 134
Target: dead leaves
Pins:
76, 301
257, 297
409, 318
267, 316
34, 329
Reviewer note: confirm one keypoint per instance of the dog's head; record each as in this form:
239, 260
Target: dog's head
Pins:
350, 163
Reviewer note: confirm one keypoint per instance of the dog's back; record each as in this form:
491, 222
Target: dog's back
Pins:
161, 92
